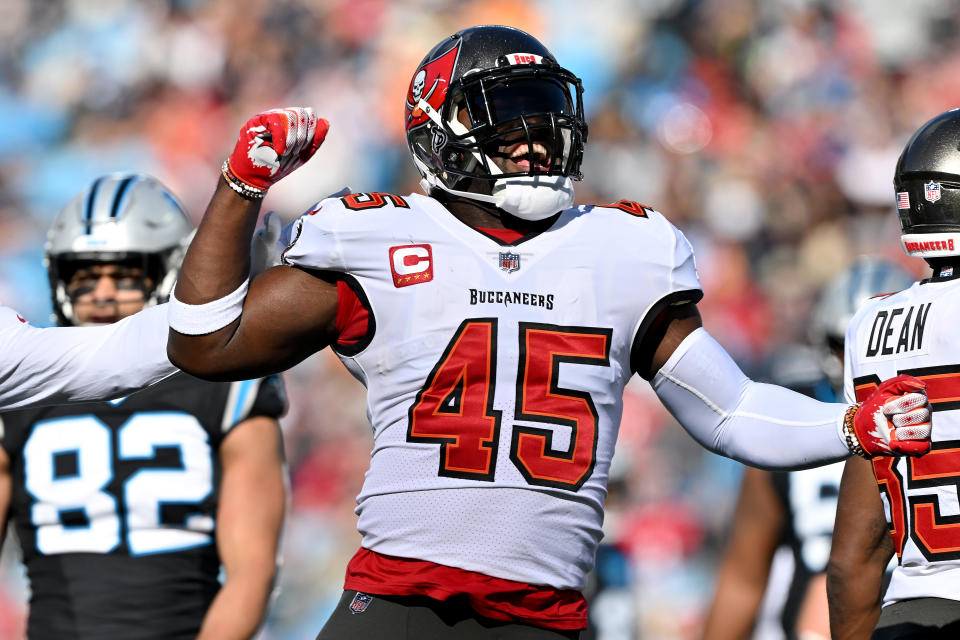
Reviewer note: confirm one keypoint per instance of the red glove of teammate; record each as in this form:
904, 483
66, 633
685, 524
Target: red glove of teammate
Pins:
270, 146
893, 421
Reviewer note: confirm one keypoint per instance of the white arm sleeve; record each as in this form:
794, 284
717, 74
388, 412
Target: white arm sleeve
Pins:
57, 365
758, 424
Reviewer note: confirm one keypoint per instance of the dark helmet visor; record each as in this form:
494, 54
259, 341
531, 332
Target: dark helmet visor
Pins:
507, 100
507, 106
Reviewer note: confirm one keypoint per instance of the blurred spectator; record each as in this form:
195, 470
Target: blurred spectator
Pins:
766, 130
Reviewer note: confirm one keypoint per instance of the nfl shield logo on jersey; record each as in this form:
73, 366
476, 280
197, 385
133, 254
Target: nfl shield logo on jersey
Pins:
360, 602
931, 191
509, 262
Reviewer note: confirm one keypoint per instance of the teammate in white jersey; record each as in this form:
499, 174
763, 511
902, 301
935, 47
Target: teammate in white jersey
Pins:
916, 513
41, 366
495, 326
57, 365
772, 577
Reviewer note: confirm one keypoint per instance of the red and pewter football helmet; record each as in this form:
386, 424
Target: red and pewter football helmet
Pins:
494, 91
927, 184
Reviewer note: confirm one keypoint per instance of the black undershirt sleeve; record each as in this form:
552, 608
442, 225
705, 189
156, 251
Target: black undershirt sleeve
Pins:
676, 306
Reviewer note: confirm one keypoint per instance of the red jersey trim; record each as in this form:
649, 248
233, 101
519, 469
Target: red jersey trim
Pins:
508, 236
495, 598
353, 319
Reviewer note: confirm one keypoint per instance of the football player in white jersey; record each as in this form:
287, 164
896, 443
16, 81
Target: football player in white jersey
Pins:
772, 577
126, 510
495, 326
65, 364
56, 365
916, 512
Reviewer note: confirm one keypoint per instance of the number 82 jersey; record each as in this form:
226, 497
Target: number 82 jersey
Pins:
114, 505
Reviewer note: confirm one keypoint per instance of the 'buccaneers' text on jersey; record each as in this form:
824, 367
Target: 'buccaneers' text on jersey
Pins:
496, 394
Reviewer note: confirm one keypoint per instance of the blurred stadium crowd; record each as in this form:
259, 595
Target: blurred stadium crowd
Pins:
767, 130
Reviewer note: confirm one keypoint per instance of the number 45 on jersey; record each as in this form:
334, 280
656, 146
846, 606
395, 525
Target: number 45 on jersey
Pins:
455, 406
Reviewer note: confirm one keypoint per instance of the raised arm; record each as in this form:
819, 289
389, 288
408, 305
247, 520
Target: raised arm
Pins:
862, 547
220, 329
57, 365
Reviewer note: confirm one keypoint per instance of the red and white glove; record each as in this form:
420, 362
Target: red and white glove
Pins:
271, 145
893, 421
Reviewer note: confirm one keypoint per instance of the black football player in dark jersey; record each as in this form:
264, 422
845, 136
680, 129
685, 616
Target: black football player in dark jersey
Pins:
771, 580
127, 510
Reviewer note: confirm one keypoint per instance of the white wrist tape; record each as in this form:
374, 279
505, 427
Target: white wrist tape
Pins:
728, 413
200, 319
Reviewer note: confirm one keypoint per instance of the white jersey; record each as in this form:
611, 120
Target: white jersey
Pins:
495, 373
57, 365
914, 332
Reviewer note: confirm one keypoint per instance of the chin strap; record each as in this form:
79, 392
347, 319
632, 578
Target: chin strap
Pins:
533, 197
530, 198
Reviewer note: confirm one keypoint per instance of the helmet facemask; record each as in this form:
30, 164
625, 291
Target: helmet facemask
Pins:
525, 116
126, 219
130, 272
512, 135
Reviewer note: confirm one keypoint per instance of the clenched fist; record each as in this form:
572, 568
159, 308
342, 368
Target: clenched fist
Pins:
271, 145
893, 421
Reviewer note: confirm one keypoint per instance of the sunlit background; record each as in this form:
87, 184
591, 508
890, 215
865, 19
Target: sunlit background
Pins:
766, 129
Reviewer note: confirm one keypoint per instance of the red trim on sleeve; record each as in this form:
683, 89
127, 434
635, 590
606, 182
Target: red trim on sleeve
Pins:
495, 598
353, 319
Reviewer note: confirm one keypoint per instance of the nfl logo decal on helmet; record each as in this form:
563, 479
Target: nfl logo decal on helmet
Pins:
926, 180
510, 262
360, 602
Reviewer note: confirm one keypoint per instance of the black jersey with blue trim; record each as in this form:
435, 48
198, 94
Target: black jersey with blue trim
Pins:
114, 505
